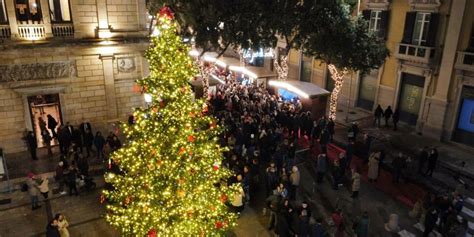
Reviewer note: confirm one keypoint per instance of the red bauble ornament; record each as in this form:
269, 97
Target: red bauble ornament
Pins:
181, 150
152, 233
191, 138
215, 166
102, 198
219, 224
213, 125
224, 198
162, 104
205, 108
166, 12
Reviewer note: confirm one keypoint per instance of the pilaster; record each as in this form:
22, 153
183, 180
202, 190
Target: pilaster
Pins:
109, 82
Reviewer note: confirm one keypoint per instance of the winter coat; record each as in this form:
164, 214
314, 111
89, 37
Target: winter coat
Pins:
321, 164
362, 229
32, 187
355, 182
373, 166
295, 178
44, 186
282, 228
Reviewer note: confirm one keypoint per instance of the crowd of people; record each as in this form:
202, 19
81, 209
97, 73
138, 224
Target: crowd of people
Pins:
262, 131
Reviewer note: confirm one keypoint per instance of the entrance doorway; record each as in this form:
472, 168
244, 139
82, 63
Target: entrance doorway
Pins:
45, 110
411, 95
368, 90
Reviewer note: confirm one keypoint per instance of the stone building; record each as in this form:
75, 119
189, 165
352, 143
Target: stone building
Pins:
76, 60
429, 74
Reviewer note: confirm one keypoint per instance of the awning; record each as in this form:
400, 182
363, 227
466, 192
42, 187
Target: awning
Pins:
303, 89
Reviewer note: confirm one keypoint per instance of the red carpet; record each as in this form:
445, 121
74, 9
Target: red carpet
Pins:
406, 193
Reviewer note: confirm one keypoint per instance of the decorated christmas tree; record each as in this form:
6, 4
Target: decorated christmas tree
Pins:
170, 181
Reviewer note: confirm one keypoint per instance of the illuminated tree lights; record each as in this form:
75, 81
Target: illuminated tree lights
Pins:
338, 78
282, 70
170, 181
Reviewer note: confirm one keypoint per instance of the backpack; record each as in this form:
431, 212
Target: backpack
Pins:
24, 187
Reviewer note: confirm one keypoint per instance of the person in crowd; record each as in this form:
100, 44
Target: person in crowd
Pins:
52, 124
271, 177
52, 229
321, 167
47, 141
59, 177
362, 225
337, 173
355, 182
113, 142
31, 144
378, 113
33, 189
99, 143
64, 139
88, 140
84, 126
430, 221
338, 220
294, 181
432, 160
395, 119
237, 202
387, 115
422, 159
318, 230
83, 165
324, 140
71, 177
398, 164
353, 132
331, 128
374, 166
77, 139
43, 186
63, 224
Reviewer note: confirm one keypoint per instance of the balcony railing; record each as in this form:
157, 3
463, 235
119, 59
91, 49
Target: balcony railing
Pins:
465, 61
5, 32
31, 32
415, 53
62, 29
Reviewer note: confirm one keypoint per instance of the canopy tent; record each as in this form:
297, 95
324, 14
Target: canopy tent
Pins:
313, 97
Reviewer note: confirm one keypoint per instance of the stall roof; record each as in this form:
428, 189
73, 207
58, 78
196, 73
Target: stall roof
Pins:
301, 88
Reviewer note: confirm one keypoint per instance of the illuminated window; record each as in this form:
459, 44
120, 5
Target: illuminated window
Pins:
3, 12
59, 10
28, 11
375, 21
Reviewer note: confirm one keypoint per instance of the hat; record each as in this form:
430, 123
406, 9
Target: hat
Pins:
30, 175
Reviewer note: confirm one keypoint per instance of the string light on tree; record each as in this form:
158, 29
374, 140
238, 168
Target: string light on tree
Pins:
282, 67
167, 183
338, 78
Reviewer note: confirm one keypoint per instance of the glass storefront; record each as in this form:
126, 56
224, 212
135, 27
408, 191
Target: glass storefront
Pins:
411, 94
464, 131
367, 90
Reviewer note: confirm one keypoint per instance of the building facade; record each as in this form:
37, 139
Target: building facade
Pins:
428, 75
76, 60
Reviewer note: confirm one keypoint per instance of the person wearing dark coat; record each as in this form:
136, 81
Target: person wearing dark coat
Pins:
330, 127
52, 229
84, 126
64, 139
378, 113
317, 230
31, 143
430, 221
88, 139
398, 164
83, 166
71, 177
303, 224
324, 140
99, 143
281, 227
432, 160
387, 115
395, 119
77, 139
422, 159
52, 124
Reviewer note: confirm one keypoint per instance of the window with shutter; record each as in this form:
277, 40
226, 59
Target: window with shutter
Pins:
375, 21
421, 28
382, 33
59, 10
409, 25
3, 13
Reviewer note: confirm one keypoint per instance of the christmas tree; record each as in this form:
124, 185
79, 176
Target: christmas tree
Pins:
170, 181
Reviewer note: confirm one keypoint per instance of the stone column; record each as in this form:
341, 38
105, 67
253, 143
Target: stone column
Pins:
103, 28
46, 18
109, 82
10, 5
438, 103
142, 17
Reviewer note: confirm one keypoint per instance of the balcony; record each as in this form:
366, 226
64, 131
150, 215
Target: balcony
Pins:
415, 53
31, 32
5, 32
62, 29
465, 61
